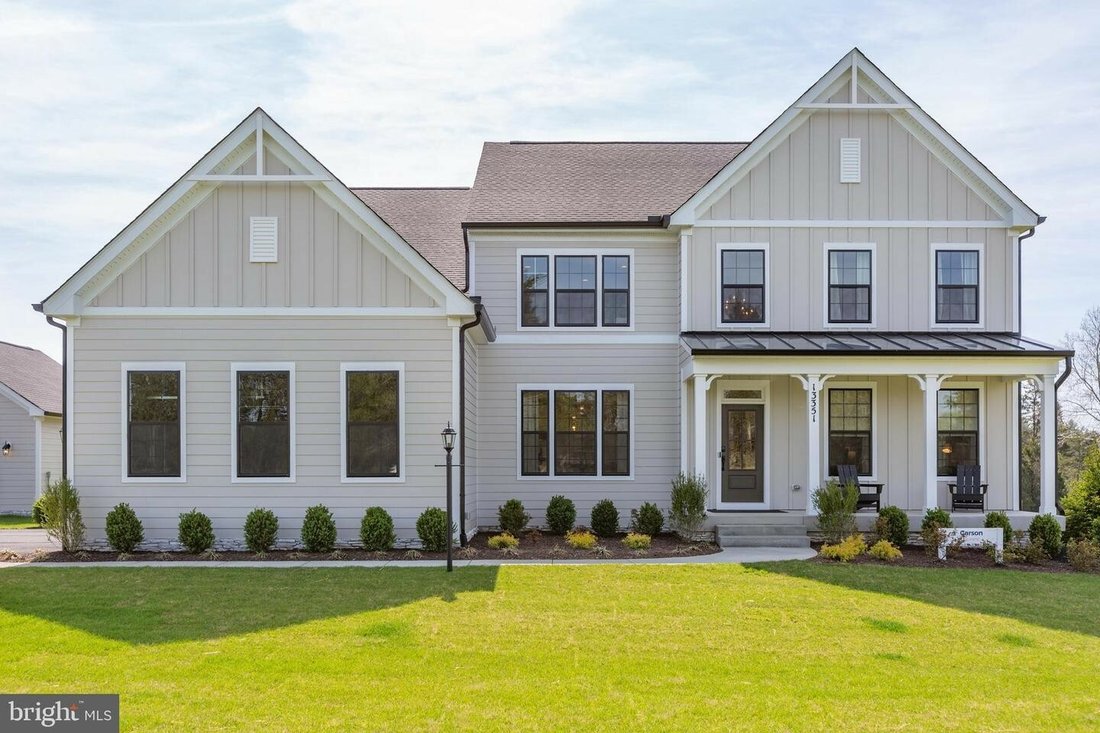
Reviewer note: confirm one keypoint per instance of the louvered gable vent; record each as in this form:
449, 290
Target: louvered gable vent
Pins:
850, 159
263, 239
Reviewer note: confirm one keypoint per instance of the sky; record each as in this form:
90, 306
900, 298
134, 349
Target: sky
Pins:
103, 105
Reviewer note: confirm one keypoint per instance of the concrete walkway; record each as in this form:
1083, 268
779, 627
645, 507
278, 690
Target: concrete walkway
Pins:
729, 555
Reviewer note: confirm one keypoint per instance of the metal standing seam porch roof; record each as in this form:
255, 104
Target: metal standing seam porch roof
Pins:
847, 343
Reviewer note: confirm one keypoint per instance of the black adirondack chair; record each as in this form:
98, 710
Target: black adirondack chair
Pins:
870, 494
968, 491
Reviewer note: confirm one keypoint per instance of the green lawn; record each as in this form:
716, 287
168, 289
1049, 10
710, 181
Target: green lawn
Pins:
788, 646
13, 521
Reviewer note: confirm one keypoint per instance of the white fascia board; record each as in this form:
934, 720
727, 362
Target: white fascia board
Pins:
32, 409
1008, 366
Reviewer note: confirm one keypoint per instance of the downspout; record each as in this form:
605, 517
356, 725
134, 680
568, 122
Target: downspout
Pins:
478, 308
64, 393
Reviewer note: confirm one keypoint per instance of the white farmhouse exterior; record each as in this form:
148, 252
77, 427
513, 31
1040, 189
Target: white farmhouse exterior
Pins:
594, 318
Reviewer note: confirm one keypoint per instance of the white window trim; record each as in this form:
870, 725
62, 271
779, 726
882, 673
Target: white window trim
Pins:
764, 386
551, 253
372, 366
721, 247
261, 366
551, 388
983, 427
832, 247
935, 247
876, 463
153, 366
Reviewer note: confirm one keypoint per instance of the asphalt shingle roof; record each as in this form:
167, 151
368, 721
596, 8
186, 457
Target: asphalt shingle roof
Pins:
32, 375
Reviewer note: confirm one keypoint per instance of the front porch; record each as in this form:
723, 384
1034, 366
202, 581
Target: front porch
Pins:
767, 419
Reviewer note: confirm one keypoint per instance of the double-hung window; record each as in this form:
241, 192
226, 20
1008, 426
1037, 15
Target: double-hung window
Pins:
575, 289
743, 285
263, 424
957, 279
616, 290
957, 424
535, 289
850, 276
373, 409
581, 431
154, 421
850, 426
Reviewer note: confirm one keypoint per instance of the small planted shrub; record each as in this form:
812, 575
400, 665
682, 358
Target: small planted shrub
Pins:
1045, 531
688, 506
936, 516
261, 527
1083, 555
503, 541
196, 533
124, 530
847, 549
1082, 502
511, 517
892, 525
637, 541
885, 551
581, 539
376, 530
38, 511
561, 514
61, 510
647, 519
836, 510
318, 529
431, 528
605, 518
999, 520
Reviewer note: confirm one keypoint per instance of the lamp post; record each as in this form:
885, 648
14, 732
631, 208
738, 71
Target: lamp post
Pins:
448, 436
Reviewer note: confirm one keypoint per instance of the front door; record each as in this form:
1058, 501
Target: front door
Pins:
742, 454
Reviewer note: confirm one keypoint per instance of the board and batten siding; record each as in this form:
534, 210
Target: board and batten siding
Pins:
208, 346
17, 479
651, 369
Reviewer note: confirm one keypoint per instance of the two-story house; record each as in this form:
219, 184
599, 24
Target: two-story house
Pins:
593, 317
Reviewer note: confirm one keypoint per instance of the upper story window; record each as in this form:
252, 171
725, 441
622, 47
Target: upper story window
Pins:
154, 421
576, 289
851, 275
957, 282
743, 285
263, 425
373, 405
575, 431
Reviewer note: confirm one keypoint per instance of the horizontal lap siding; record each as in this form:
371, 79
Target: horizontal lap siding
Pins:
208, 346
17, 478
51, 450
653, 372
471, 432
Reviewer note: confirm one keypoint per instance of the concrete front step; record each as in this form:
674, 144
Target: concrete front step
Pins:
796, 530
763, 541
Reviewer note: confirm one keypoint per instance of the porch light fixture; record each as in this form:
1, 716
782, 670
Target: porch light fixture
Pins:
7, 449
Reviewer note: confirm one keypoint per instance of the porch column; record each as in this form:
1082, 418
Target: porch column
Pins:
1047, 446
812, 383
700, 411
930, 385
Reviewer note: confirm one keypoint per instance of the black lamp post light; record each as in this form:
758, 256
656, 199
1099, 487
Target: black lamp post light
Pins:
448, 436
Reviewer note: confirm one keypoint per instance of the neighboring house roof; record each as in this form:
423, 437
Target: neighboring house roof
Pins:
430, 219
839, 343
31, 375
593, 182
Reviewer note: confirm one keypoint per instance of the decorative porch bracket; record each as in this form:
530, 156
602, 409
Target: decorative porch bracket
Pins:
812, 383
930, 385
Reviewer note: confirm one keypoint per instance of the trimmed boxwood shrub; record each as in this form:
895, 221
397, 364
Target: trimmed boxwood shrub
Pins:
318, 529
376, 530
647, 519
124, 530
936, 516
431, 528
561, 514
512, 517
1047, 533
993, 520
261, 527
196, 533
605, 518
893, 525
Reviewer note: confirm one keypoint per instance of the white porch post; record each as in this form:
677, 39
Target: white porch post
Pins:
1047, 446
699, 407
930, 384
812, 383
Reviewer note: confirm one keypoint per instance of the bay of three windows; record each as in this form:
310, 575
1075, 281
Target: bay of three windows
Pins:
575, 290
566, 431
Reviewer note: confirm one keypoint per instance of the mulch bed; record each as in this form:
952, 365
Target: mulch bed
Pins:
533, 546
915, 556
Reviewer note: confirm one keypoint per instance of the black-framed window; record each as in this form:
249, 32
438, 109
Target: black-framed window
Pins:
535, 290
263, 424
575, 432
957, 426
535, 432
850, 286
373, 431
616, 432
957, 282
743, 286
153, 424
850, 425
575, 290
616, 290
